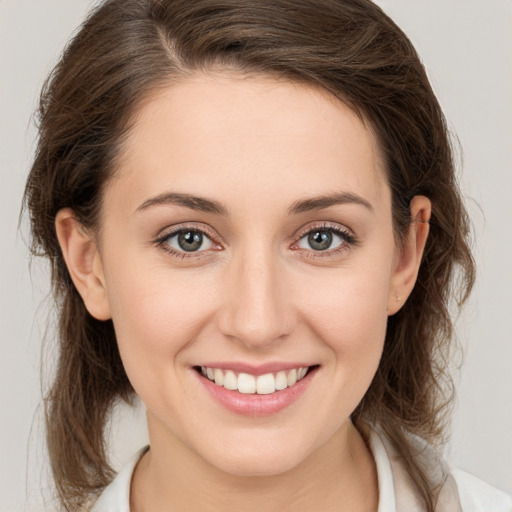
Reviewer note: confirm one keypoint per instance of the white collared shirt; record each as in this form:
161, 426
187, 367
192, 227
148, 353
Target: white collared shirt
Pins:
470, 494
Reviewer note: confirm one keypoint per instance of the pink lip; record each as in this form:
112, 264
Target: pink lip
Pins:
253, 404
256, 370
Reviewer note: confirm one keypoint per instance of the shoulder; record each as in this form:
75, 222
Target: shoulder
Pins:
458, 491
478, 496
116, 496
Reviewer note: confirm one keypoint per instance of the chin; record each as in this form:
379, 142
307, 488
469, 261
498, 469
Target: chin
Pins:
259, 458
258, 466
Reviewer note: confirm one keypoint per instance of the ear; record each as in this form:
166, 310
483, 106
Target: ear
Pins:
84, 263
409, 255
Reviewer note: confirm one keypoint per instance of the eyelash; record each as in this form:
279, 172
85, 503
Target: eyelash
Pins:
161, 241
348, 240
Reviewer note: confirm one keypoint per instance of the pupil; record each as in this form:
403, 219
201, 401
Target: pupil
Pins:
190, 240
320, 241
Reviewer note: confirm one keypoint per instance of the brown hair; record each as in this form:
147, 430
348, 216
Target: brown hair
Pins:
126, 49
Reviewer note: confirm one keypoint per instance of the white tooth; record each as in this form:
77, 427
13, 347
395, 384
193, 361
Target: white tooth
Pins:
218, 376
209, 373
265, 384
230, 381
281, 382
246, 383
203, 370
292, 377
301, 373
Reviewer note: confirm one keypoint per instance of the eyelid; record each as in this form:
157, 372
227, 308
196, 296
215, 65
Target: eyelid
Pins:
170, 231
323, 226
349, 238
192, 226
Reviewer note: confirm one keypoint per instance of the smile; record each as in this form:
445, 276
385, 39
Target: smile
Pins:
246, 383
255, 391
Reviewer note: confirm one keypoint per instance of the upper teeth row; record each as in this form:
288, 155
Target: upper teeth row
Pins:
246, 383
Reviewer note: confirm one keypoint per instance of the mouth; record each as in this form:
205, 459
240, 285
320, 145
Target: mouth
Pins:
255, 394
248, 384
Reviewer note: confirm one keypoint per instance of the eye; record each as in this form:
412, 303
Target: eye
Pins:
325, 239
320, 241
186, 240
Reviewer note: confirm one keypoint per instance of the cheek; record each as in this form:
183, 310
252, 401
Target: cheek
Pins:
156, 316
349, 315
350, 310
155, 313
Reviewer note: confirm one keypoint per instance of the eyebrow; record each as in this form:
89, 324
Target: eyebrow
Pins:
193, 202
210, 206
321, 202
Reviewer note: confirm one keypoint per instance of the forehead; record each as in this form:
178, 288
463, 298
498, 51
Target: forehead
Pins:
218, 134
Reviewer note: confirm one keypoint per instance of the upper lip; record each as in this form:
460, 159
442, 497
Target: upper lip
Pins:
256, 369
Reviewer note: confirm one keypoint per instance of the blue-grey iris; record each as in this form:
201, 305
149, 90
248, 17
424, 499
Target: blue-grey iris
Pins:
320, 240
190, 240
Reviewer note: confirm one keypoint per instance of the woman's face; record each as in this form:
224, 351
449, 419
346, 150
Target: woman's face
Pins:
248, 234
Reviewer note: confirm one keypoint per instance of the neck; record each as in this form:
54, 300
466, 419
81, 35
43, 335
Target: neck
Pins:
339, 476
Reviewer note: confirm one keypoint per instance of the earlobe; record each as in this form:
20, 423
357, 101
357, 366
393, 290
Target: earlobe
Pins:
410, 255
83, 262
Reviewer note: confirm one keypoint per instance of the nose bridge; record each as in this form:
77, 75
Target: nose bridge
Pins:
258, 312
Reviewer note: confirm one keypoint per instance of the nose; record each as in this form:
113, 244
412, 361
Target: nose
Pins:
258, 311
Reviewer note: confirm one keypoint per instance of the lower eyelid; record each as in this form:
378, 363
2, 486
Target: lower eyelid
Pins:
174, 234
319, 256
346, 239
206, 241
336, 244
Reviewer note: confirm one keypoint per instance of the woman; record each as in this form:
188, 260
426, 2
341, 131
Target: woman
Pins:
253, 222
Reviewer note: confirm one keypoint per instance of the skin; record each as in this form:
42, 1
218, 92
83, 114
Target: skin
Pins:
257, 293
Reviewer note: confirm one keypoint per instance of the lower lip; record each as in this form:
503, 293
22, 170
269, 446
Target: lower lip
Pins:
254, 404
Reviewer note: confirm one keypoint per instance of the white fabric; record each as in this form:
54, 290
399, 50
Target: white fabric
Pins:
461, 491
116, 497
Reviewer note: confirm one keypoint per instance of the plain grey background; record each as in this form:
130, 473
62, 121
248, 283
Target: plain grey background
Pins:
466, 46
